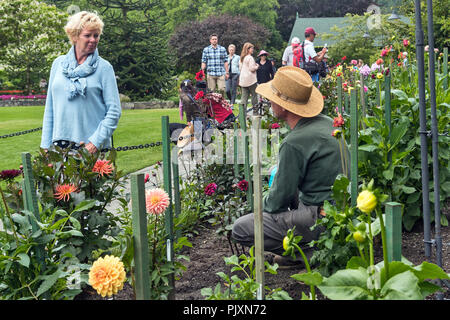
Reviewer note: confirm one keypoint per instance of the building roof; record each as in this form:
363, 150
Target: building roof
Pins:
321, 26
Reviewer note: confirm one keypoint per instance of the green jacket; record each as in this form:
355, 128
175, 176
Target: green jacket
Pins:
309, 161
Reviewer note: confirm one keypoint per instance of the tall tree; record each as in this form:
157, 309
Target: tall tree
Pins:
190, 38
135, 43
31, 37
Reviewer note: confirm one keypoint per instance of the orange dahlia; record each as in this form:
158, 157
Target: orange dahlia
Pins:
63, 191
102, 167
107, 275
156, 200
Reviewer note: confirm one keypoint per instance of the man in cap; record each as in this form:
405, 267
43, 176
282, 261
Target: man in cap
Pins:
288, 54
308, 163
310, 53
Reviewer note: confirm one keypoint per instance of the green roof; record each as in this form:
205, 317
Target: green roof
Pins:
320, 25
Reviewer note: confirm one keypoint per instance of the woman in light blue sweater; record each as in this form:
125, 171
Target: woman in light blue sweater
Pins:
83, 105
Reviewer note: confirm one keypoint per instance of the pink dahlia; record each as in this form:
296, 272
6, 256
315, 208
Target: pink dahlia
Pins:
156, 201
210, 189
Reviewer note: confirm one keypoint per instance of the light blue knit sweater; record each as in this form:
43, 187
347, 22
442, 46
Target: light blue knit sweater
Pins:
92, 118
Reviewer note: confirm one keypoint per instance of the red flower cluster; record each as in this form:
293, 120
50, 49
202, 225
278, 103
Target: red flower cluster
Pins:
243, 185
9, 174
199, 95
200, 76
344, 58
338, 121
275, 126
210, 189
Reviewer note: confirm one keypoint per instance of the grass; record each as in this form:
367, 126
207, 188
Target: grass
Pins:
135, 127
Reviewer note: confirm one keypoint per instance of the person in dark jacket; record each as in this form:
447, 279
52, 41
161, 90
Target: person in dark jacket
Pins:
265, 71
194, 113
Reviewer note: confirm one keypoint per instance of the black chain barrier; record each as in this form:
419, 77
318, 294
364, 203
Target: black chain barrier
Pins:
140, 146
19, 133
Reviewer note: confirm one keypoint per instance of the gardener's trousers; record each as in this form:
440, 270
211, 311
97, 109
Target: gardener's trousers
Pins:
276, 226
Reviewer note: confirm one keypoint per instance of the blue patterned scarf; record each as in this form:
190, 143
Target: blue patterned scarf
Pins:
78, 73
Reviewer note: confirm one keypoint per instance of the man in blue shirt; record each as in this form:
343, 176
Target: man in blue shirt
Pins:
214, 60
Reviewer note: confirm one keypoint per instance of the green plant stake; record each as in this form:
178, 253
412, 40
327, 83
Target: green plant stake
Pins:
445, 68
30, 201
140, 239
387, 108
394, 231
258, 212
339, 94
354, 146
168, 188
363, 101
346, 102
243, 123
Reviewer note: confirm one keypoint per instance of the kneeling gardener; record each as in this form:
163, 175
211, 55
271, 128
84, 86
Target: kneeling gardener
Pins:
309, 161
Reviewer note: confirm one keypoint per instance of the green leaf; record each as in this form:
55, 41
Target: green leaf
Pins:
84, 205
48, 282
309, 278
356, 263
347, 284
367, 147
24, 259
76, 224
397, 134
408, 190
403, 286
428, 270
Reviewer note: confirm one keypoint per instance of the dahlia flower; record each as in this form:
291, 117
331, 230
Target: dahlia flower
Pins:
107, 275
210, 189
243, 185
156, 201
9, 174
102, 167
63, 191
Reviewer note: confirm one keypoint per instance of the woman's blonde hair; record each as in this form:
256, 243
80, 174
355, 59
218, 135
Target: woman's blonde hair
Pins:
81, 20
245, 49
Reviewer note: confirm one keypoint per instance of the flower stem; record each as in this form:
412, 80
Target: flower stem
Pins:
10, 218
308, 268
384, 244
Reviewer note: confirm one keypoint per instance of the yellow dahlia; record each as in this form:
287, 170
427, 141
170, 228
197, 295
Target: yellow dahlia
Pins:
107, 275
156, 201
366, 201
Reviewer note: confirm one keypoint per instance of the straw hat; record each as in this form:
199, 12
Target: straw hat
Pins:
186, 136
293, 90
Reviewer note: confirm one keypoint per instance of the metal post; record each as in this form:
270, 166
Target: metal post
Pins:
393, 219
168, 188
354, 146
235, 151
258, 212
423, 129
140, 238
378, 96
434, 140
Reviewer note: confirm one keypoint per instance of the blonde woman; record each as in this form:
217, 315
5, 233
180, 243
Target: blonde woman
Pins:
247, 78
83, 105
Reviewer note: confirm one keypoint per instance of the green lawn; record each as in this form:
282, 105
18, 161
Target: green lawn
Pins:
135, 127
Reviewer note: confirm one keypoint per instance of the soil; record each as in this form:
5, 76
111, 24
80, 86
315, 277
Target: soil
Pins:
207, 258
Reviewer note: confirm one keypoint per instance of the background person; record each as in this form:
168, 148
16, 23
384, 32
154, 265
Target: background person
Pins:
288, 54
265, 71
83, 104
311, 56
232, 78
214, 61
247, 77
309, 161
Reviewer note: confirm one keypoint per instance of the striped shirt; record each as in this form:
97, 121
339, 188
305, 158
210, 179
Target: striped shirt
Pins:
215, 59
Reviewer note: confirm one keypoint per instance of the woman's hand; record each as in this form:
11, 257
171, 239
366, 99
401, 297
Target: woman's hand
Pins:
90, 147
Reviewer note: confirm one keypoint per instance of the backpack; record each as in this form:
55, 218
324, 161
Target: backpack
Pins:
299, 56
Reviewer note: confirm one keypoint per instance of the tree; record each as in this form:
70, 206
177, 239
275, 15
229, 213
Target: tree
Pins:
31, 37
190, 38
134, 42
